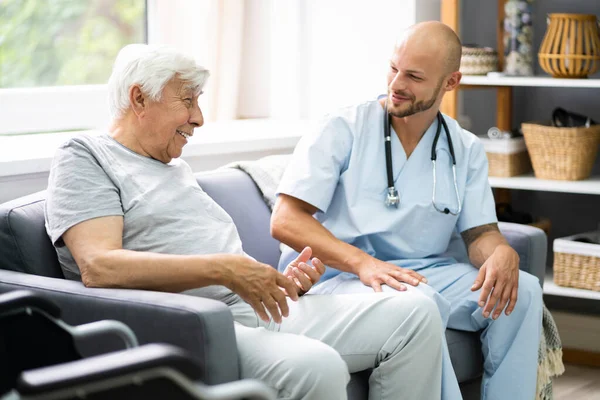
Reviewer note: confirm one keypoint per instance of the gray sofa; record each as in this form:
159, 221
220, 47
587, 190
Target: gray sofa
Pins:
203, 327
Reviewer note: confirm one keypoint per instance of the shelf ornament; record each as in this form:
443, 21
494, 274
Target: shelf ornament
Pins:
571, 46
518, 38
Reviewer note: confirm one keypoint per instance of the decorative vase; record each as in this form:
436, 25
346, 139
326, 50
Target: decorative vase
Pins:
571, 46
518, 38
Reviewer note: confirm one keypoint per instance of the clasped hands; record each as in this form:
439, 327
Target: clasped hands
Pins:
266, 289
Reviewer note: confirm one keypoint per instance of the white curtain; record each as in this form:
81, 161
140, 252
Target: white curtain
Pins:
287, 59
211, 31
334, 53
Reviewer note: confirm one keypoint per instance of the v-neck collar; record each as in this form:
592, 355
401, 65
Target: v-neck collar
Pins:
422, 151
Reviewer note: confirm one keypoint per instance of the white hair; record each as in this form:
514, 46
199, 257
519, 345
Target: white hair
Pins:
151, 67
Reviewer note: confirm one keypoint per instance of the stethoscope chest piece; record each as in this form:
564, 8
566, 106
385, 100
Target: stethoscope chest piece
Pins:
392, 199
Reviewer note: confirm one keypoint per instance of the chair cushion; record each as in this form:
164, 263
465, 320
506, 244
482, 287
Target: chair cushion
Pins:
24, 243
237, 193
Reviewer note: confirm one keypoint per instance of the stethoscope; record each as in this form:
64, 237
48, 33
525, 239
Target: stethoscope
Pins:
393, 199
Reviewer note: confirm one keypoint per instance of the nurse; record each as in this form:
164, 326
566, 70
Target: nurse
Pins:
334, 197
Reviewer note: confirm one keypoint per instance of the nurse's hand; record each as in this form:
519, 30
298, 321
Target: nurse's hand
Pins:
374, 273
499, 275
303, 275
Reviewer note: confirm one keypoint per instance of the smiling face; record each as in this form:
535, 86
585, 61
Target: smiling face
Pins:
414, 80
423, 67
167, 124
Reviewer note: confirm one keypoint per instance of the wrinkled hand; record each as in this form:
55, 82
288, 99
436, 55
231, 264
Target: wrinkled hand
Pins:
375, 273
261, 286
303, 275
499, 275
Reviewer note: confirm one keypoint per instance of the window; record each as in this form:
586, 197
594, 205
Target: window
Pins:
56, 57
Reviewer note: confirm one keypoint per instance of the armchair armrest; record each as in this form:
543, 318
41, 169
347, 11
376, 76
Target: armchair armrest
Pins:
202, 327
531, 243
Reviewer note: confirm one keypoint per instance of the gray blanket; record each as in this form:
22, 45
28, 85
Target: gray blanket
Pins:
267, 173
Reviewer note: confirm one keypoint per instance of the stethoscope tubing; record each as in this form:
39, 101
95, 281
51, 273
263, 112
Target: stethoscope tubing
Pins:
389, 164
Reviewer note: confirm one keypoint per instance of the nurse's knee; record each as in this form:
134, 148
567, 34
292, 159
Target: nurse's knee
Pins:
316, 371
530, 289
529, 295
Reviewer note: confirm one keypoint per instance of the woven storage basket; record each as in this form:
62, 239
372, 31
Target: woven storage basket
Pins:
561, 153
577, 264
478, 60
506, 157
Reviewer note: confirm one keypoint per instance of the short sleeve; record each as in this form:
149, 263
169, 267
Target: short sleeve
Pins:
478, 207
78, 190
317, 163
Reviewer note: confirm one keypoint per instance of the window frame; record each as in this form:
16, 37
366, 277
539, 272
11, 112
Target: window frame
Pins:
47, 109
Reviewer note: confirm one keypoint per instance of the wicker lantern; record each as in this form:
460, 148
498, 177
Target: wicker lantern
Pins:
571, 46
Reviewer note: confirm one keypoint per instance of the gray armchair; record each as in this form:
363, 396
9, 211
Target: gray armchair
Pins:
202, 327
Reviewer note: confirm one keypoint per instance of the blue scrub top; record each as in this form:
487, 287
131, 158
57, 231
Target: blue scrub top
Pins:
340, 169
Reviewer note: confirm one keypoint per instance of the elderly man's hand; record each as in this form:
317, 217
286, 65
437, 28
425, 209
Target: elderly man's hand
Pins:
303, 275
260, 285
374, 273
499, 278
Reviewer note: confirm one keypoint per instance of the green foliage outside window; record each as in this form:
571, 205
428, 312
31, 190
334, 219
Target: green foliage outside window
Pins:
65, 42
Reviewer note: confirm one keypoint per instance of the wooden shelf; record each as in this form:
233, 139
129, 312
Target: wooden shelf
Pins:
528, 81
530, 182
553, 289
450, 11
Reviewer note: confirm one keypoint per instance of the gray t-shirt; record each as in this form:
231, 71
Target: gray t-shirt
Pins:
164, 209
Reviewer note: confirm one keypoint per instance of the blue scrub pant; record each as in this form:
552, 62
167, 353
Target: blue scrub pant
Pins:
509, 344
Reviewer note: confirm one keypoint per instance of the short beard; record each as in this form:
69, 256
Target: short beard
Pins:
422, 105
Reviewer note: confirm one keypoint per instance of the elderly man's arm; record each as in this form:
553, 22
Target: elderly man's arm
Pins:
498, 265
292, 223
96, 246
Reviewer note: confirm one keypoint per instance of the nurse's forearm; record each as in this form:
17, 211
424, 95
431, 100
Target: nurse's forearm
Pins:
482, 241
297, 228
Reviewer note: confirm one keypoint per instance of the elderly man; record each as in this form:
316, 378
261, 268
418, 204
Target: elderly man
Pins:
378, 232
124, 211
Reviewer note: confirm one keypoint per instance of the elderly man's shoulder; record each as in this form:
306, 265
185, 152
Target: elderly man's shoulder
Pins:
86, 140
84, 146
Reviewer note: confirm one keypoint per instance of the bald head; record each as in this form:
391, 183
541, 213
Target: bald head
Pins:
436, 38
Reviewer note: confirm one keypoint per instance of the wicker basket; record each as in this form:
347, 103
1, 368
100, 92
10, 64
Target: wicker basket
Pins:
478, 60
506, 157
561, 153
577, 264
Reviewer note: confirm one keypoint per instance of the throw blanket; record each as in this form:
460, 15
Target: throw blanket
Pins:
267, 173
550, 362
